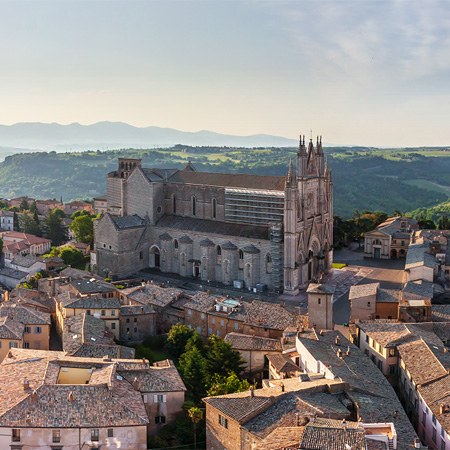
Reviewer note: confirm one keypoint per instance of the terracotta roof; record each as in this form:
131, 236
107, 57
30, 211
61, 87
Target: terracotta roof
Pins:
11, 329
229, 180
152, 294
332, 435
107, 400
24, 314
255, 343
421, 362
283, 364
87, 336
28, 239
281, 438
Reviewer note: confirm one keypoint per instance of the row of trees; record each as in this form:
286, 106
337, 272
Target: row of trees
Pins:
53, 226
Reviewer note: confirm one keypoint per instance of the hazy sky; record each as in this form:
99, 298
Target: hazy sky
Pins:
357, 72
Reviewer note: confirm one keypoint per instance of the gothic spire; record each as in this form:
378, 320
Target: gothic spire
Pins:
290, 174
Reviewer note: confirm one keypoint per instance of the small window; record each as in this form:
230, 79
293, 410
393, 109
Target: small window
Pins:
15, 435
368, 304
13, 345
103, 312
95, 434
88, 312
159, 398
141, 255
56, 436
194, 206
158, 209
128, 320
318, 301
223, 421
113, 326
135, 330
26, 345
160, 419
214, 208
135, 319
175, 244
392, 352
38, 330
174, 204
27, 330
110, 432
113, 312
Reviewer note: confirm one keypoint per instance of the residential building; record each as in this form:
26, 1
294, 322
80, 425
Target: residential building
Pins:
420, 264
100, 205
62, 401
6, 220
390, 239
31, 327
45, 206
87, 336
77, 205
107, 309
254, 350
249, 230
136, 322
15, 243
370, 301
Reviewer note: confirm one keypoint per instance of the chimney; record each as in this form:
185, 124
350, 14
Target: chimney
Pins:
344, 424
337, 341
252, 391
348, 351
70, 397
26, 383
339, 353
282, 387
34, 396
417, 443
321, 332
442, 408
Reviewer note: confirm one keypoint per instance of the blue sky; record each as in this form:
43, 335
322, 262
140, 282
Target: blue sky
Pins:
357, 72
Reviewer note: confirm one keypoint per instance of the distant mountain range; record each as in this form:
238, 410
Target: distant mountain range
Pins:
26, 137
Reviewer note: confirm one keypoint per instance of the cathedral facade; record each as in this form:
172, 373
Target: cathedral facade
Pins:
237, 229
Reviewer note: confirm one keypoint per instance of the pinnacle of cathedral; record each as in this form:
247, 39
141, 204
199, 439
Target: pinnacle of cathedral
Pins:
290, 174
301, 146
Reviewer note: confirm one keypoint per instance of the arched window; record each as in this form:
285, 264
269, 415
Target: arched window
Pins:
175, 244
219, 254
268, 263
214, 208
241, 259
194, 201
174, 204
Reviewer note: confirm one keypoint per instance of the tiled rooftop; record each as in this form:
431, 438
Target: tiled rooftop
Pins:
152, 294
10, 329
255, 343
368, 387
329, 434
363, 290
24, 314
108, 398
282, 363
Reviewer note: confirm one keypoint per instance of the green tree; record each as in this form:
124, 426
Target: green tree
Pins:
196, 415
33, 207
220, 385
16, 224
55, 228
177, 338
24, 206
28, 225
58, 212
221, 358
192, 366
72, 257
81, 212
444, 222
83, 228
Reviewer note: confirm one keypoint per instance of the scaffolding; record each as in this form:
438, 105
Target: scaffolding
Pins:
254, 206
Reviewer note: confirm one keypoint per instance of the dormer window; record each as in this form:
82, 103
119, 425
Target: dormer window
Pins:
219, 254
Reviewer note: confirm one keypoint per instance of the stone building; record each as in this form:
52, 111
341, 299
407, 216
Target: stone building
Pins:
248, 230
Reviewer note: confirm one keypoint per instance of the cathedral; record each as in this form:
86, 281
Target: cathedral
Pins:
237, 229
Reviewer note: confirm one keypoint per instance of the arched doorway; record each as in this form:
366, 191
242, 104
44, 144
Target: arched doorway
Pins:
155, 257
393, 254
